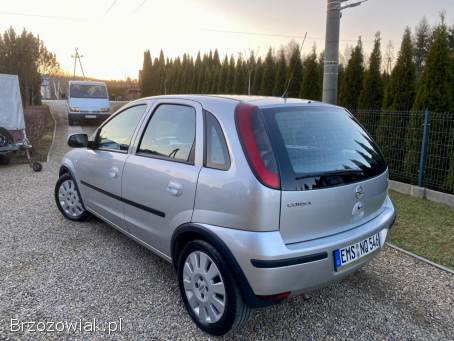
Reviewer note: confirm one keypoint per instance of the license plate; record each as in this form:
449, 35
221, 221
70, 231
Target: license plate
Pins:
343, 258
90, 116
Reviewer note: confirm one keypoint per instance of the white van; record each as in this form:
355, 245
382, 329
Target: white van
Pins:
87, 101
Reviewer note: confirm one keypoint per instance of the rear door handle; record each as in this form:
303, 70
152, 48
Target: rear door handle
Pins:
175, 188
113, 173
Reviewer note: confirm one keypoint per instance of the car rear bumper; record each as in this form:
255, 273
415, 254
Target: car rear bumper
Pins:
271, 267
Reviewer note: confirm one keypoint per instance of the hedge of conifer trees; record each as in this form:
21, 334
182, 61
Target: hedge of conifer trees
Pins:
421, 77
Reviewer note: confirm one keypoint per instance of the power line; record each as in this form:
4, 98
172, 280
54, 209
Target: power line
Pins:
279, 35
111, 6
21, 14
139, 7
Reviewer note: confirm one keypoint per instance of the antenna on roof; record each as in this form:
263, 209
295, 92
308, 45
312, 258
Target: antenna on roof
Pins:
285, 94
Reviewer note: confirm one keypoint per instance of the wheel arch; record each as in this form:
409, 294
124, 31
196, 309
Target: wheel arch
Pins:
191, 231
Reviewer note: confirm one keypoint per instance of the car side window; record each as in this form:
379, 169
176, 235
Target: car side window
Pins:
117, 133
216, 151
170, 133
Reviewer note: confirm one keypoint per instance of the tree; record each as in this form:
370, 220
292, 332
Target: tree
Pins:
268, 74
371, 96
352, 80
281, 74
239, 80
423, 41
229, 86
294, 73
401, 89
311, 87
146, 75
257, 77
26, 56
451, 37
399, 96
435, 93
223, 75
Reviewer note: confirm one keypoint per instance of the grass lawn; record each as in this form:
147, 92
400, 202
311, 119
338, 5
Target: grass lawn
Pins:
40, 146
424, 228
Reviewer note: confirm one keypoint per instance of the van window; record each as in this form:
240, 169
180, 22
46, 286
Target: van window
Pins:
322, 147
87, 91
216, 152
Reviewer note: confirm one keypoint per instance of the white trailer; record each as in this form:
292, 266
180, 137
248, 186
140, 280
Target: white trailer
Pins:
13, 137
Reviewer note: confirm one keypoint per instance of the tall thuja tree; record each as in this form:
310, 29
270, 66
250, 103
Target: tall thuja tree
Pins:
268, 74
195, 75
281, 74
215, 72
399, 96
295, 73
451, 37
257, 77
423, 41
160, 74
240, 79
311, 87
201, 83
223, 74
352, 80
401, 89
371, 96
229, 86
435, 93
146, 75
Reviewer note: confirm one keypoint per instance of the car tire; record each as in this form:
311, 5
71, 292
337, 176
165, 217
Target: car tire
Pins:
69, 200
221, 308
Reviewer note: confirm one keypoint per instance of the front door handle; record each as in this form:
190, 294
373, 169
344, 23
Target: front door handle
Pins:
175, 188
113, 173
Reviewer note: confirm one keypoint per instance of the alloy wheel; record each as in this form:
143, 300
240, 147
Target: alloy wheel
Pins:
69, 200
204, 287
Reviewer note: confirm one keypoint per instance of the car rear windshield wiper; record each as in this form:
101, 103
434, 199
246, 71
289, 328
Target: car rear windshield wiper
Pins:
331, 173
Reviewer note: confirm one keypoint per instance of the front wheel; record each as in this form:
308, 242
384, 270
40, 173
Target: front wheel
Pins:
209, 291
68, 199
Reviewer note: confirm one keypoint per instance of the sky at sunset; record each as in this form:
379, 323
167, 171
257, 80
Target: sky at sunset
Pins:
112, 35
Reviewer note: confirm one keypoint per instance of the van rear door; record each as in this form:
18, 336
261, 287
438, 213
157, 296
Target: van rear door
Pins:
333, 176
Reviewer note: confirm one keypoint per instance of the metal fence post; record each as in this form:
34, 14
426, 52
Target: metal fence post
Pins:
424, 145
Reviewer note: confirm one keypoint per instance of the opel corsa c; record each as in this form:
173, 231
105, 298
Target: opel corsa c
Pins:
252, 199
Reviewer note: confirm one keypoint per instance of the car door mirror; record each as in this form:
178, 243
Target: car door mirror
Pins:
78, 141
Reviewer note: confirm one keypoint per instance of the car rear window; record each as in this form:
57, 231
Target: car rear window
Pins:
321, 147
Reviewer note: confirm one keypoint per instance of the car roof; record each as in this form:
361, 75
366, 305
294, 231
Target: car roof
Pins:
260, 101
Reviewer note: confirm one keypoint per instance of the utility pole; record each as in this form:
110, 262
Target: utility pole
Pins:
331, 62
77, 57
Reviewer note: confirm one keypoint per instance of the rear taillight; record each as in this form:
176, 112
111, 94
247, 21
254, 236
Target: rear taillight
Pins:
257, 145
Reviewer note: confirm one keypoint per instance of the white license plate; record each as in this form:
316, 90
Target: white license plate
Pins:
354, 252
90, 116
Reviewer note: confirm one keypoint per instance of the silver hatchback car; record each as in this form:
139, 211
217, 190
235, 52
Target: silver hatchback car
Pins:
252, 199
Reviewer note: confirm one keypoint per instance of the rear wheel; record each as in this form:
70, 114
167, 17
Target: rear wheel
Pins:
5, 137
209, 292
68, 199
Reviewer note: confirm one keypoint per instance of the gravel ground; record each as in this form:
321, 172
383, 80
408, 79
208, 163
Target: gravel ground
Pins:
55, 270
